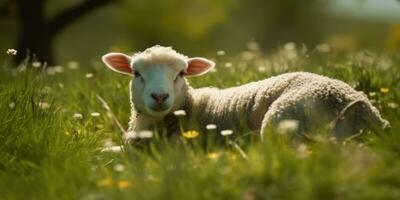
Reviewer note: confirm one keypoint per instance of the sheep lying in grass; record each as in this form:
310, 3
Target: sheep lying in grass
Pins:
159, 88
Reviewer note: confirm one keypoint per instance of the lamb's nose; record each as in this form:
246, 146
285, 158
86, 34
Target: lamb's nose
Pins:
160, 97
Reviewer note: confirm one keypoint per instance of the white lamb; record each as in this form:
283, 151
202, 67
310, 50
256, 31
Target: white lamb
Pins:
159, 88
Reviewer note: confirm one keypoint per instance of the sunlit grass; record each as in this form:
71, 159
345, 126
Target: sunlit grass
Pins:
58, 141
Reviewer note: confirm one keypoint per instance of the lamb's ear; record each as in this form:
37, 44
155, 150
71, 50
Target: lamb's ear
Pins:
118, 62
198, 66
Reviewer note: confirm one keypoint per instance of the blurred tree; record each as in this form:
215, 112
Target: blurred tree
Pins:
36, 31
4, 8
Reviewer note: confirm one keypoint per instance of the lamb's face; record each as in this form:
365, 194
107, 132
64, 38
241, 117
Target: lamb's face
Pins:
159, 86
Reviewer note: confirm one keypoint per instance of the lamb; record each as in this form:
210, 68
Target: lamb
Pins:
159, 87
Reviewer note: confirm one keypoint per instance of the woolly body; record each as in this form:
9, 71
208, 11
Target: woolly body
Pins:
309, 98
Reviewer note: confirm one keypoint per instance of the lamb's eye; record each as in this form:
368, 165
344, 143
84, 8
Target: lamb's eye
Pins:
180, 75
137, 74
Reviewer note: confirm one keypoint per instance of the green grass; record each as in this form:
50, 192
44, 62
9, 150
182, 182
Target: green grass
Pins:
46, 153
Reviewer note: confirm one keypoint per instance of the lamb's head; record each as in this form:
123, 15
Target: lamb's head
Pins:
158, 86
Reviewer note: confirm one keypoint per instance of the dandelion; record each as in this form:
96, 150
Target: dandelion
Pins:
180, 113
324, 48
113, 149
393, 105
372, 94
89, 75
122, 184
95, 114
50, 71
58, 69
150, 177
253, 46
190, 134
221, 53
211, 127
12, 52
77, 116
384, 90
105, 182
290, 46
288, 125
262, 69
145, 134
248, 55
226, 132
36, 64
119, 167
384, 63
73, 65
213, 156
303, 151
43, 105
11, 105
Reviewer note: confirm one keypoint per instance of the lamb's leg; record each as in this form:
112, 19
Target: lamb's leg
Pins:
313, 115
348, 122
355, 116
310, 113
280, 111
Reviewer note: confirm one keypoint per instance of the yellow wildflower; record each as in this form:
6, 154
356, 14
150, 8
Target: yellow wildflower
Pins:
122, 184
190, 134
89, 75
232, 156
107, 182
213, 156
384, 90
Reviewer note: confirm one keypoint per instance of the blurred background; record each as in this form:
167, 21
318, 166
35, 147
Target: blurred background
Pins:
59, 31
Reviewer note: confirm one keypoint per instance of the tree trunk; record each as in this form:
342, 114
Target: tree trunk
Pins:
34, 39
37, 33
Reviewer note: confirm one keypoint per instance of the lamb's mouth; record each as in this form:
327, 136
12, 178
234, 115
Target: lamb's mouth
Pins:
158, 111
159, 108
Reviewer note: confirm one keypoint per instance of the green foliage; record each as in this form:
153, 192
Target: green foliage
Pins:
177, 22
51, 138
199, 25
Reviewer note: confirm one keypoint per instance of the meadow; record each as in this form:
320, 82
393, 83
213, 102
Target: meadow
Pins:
54, 130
